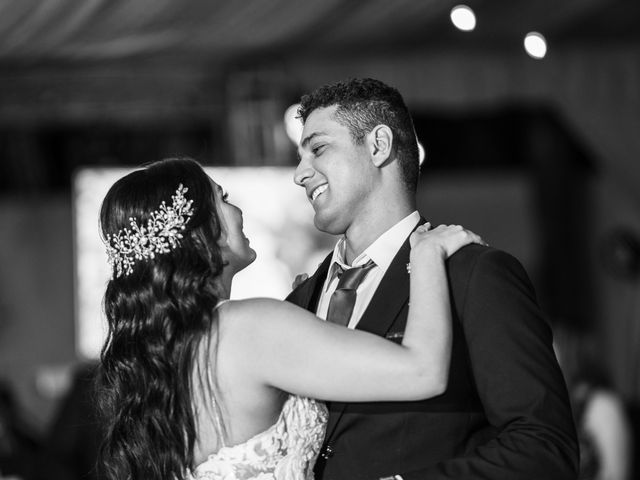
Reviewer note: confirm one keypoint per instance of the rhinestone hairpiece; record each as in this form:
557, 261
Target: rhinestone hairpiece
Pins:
160, 235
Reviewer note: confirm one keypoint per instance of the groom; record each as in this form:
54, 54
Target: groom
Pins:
505, 413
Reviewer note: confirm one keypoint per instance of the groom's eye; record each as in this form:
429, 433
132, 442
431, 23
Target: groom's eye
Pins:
318, 149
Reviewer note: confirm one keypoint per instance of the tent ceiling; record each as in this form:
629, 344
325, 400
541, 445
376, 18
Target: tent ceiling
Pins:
224, 30
133, 61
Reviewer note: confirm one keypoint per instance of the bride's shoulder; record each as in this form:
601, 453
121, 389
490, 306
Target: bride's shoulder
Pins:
247, 326
256, 315
249, 305
248, 311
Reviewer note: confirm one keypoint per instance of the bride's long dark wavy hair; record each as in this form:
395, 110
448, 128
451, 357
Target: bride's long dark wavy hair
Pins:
157, 318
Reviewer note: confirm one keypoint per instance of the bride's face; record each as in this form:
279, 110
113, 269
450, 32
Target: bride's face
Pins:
233, 242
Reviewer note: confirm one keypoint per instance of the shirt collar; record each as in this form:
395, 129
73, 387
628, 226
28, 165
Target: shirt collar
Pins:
382, 250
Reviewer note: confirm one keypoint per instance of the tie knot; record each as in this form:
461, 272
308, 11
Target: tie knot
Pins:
350, 278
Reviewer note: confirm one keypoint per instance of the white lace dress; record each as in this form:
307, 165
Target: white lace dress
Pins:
285, 451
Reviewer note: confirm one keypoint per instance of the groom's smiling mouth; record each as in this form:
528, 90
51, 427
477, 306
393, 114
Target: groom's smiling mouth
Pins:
316, 192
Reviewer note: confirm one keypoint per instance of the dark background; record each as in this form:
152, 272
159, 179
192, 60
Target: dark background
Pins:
539, 156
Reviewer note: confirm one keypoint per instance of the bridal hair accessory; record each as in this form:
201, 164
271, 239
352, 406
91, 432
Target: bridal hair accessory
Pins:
161, 235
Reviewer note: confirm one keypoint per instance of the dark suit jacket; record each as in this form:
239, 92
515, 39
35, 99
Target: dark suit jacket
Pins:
505, 413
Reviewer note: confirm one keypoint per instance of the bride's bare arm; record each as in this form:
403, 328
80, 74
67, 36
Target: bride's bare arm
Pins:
280, 345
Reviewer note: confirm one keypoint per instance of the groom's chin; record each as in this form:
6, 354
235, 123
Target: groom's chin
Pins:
327, 225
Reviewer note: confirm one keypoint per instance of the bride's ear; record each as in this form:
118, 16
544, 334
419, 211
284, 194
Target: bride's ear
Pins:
380, 143
223, 239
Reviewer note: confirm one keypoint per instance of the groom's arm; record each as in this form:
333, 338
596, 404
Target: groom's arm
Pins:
518, 379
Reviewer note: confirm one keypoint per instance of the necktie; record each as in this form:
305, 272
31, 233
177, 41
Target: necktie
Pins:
344, 298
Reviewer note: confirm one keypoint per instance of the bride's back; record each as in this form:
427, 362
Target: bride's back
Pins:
266, 431
240, 406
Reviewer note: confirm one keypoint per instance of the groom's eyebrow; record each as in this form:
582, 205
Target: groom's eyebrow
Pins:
305, 141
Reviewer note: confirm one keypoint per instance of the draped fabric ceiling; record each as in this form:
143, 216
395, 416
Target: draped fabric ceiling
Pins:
102, 30
60, 58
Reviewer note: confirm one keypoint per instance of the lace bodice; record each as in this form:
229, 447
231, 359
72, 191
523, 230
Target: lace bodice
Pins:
285, 451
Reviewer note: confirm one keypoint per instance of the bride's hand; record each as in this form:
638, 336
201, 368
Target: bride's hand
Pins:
443, 239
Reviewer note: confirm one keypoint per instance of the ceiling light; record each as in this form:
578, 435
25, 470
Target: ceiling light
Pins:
535, 45
463, 18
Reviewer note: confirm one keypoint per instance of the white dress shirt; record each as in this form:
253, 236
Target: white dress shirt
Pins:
381, 251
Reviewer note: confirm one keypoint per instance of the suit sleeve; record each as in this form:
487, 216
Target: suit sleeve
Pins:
517, 377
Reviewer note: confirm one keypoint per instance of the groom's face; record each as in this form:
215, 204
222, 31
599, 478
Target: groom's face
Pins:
334, 171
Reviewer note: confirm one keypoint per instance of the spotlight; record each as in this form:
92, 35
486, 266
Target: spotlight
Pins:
535, 45
463, 18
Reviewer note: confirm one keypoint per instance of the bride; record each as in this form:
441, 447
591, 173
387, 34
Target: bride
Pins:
193, 385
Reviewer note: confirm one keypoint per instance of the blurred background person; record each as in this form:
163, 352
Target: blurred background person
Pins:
19, 445
602, 422
70, 447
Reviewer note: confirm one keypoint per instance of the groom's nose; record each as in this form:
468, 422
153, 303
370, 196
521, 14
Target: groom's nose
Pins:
303, 172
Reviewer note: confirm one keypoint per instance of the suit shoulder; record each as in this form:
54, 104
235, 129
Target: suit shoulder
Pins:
475, 256
486, 269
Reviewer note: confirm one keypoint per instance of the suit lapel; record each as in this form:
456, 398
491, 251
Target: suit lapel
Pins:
387, 302
390, 296
307, 294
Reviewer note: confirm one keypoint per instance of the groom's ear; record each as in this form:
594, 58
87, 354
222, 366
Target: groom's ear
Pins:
379, 143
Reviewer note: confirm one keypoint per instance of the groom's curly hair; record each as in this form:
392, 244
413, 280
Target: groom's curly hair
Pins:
364, 103
158, 317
